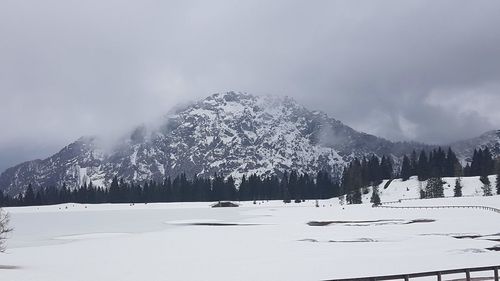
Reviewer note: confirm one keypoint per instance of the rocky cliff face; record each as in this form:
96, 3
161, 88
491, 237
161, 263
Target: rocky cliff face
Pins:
230, 133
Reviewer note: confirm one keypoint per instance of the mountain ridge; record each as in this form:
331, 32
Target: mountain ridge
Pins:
229, 133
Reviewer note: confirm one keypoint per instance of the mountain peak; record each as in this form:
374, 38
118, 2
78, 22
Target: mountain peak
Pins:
232, 133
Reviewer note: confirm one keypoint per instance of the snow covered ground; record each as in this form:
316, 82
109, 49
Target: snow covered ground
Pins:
265, 241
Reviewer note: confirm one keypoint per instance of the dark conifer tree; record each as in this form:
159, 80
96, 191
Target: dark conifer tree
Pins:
498, 181
243, 191
3, 199
422, 167
414, 163
375, 199
324, 186
486, 185
114, 191
475, 166
467, 170
293, 183
287, 198
437, 159
434, 188
488, 165
218, 188
177, 188
406, 169
255, 186
29, 196
230, 189
168, 193
386, 168
453, 167
458, 188
275, 187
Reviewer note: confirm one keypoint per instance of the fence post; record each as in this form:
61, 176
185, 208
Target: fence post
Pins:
467, 274
495, 270
439, 276
407, 278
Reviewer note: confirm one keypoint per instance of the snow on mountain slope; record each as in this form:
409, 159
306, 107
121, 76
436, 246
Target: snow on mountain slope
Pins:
465, 149
72, 165
230, 133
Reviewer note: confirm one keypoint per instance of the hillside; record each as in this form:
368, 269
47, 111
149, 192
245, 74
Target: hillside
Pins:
410, 189
231, 133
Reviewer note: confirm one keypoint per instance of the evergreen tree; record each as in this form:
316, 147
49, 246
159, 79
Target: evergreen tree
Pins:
498, 181
488, 165
386, 168
467, 170
406, 169
114, 191
274, 186
453, 167
434, 188
293, 182
413, 163
458, 188
243, 191
255, 185
374, 171
3, 199
486, 185
351, 179
482, 163
218, 188
29, 196
230, 189
475, 166
354, 197
375, 199
287, 198
422, 167
423, 195
325, 186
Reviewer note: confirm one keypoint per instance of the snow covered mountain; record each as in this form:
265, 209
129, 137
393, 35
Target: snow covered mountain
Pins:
230, 133
490, 140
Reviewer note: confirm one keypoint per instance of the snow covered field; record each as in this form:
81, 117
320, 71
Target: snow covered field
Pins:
265, 241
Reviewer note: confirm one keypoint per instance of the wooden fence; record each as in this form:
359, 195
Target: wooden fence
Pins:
437, 274
442, 207
410, 199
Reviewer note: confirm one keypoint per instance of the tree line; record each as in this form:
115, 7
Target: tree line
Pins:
363, 173
289, 187
427, 166
438, 163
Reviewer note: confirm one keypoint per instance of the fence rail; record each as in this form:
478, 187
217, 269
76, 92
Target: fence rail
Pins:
437, 274
418, 198
442, 207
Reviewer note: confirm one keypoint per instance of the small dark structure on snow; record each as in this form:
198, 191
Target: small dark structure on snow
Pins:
224, 204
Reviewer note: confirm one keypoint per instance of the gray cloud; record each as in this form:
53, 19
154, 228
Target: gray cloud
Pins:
421, 70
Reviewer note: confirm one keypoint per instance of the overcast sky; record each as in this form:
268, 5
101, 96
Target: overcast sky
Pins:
405, 70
